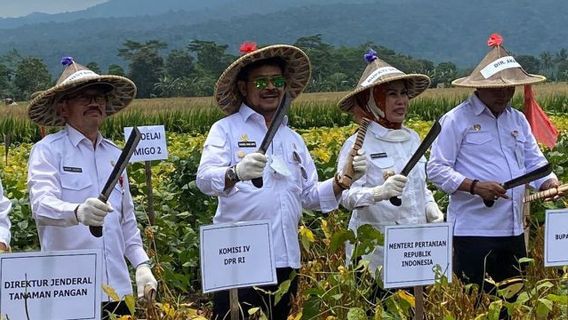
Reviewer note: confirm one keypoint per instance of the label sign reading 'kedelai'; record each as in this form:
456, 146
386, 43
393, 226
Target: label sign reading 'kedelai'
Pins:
556, 238
51, 285
235, 255
152, 145
413, 251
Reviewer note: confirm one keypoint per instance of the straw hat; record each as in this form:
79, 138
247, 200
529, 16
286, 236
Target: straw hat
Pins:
42, 109
297, 72
378, 72
497, 70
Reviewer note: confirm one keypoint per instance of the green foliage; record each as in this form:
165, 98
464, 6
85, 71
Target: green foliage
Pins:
116, 70
145, 64
4, 81
31, 75
93, 66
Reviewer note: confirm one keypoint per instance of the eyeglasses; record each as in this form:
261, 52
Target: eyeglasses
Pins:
262, 83
86, 99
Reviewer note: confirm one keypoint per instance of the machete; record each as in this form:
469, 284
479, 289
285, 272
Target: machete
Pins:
116, 172
274, 125
426, 143
524, 179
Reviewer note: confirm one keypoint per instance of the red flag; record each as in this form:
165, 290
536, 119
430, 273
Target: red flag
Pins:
42, 131
541, 126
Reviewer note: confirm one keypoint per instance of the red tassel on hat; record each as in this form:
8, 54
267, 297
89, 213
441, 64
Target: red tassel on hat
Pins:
494, 40
247, 47
541, 126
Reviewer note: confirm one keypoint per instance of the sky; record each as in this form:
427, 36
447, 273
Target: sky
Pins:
19, 8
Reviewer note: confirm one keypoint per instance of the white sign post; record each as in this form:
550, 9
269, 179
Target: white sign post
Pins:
152, 145
412, 251
236, 255
51, 285
556, 238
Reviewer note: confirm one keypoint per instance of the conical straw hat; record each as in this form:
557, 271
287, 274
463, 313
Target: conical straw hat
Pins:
497, 70
43, 111
297, 73
378, 72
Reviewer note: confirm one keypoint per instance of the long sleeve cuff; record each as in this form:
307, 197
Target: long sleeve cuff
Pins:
212, 183
63, 217
452, 184
328, 200
538, 183
137, 256
357, 197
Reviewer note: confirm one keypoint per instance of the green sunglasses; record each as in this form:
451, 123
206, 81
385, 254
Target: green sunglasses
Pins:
262, 83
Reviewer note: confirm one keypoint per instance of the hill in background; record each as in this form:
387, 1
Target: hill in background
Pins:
436, 30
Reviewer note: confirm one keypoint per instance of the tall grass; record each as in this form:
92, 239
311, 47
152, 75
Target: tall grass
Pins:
196, 115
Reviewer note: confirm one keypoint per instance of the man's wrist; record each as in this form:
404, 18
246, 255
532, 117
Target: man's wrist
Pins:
232, 174
472, 186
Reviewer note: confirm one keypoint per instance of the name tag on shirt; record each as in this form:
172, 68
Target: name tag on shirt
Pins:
73, 169
378, 155
247, 144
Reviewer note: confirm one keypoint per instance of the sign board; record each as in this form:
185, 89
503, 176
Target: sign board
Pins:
413, 251
51, 285
236, 255
556, 238
152, 145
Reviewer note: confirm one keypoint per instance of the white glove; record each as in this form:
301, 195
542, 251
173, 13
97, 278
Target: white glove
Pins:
359, 165
392, 187
252, 166
144, 277
92, 212
433, 213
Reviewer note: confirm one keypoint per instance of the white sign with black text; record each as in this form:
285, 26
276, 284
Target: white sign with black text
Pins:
236, 255
152, 145
556, 238
51, 285
413, 251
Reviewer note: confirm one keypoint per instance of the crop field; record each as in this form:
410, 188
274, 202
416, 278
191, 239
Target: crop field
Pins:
328, 288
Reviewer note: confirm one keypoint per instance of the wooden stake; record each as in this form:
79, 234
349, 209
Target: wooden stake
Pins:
150, 193
419, 301
234, 303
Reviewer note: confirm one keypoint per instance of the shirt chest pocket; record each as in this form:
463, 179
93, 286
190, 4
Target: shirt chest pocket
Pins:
295, 160
477, 138
377, 166
75, 186
241, 148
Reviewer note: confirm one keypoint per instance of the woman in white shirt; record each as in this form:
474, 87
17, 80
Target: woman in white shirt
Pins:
382, 96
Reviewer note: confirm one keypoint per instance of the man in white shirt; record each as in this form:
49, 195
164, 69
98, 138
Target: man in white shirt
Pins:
68, 169
483, 143
249, 92
5, 235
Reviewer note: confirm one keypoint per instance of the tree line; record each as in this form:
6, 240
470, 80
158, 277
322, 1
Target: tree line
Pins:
193, 70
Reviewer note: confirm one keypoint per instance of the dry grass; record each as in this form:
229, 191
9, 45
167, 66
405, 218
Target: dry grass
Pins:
167, 104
